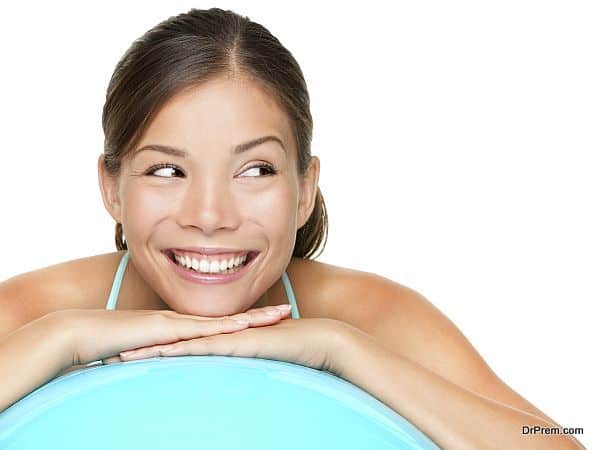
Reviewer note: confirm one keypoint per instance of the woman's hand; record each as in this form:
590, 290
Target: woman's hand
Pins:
99, 334
309, 342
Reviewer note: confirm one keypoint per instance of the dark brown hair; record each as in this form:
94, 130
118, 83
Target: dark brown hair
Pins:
192, 48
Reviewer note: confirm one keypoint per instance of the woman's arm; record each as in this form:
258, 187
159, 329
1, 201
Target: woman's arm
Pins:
453, 417
37, 352
31, 356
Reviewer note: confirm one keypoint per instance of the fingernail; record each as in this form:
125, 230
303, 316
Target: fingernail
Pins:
284, 307
273, 312
242, 321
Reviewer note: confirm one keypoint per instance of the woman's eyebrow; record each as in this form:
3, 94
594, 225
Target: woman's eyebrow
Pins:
182, 153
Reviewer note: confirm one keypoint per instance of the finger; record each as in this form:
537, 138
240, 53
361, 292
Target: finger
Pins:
169, 327
184, 329
145, 352
265, 316
232, 344
111, 360
257, 316
214, 338
223, 345
175, 314
159, 329
261, 315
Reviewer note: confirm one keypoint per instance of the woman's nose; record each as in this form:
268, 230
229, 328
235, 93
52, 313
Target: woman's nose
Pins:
209, 206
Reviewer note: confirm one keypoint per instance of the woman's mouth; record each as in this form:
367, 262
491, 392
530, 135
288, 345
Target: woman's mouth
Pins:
219, 268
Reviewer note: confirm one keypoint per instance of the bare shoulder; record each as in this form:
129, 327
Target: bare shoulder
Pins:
405, 322
80, 283
398, 317
353, 296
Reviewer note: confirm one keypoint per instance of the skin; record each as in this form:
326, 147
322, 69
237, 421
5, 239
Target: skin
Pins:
214, 198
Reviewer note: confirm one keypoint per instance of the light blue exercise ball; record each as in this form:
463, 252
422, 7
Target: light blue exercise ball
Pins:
204, 402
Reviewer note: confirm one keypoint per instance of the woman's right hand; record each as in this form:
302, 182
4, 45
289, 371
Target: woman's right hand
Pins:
100, 334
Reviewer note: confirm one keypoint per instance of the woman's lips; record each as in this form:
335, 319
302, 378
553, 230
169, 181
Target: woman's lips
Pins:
210, 257
208, 250
210, 278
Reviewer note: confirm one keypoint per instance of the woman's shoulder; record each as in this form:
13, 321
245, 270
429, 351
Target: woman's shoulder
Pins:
396, 316
80, 283
353, 296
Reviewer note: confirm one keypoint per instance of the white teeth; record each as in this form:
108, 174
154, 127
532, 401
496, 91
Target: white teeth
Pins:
204, 265
215, 266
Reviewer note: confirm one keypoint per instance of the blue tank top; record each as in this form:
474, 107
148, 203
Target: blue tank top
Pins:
116, 286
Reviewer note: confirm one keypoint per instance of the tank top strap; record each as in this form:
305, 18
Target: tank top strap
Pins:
116, 286
290, 295
114, 294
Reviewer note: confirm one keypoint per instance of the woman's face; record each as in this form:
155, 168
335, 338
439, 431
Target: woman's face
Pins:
211, 195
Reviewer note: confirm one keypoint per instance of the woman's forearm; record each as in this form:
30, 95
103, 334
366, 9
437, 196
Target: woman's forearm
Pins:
453, 417
31, 356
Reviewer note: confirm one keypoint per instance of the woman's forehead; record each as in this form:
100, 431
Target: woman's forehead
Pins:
220, 109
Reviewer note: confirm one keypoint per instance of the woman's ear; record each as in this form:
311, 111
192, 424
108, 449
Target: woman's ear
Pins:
109, 187
308, 191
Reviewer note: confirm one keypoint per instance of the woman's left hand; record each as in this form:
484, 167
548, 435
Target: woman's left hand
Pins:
309, 342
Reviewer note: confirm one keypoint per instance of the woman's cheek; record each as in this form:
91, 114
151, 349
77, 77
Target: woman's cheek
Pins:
149, 205
272, 207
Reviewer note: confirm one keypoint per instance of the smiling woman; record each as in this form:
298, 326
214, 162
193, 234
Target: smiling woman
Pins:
185, 182
208, 174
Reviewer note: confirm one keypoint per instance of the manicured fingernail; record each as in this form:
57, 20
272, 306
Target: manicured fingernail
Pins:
284, 307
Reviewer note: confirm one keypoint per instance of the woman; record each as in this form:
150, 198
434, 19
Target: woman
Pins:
208, 174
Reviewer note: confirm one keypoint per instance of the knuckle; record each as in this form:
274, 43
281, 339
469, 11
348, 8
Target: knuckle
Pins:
243, 316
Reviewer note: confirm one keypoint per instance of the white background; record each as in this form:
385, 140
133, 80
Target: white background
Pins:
459, 147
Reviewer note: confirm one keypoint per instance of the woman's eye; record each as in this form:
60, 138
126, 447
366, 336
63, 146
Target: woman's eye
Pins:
255, 170
165, 168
